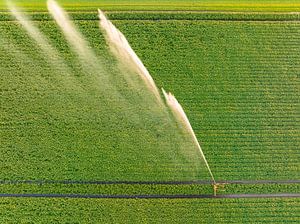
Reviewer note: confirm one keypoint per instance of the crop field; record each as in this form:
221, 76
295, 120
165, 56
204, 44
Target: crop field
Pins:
149, 211
238, 82
64, 127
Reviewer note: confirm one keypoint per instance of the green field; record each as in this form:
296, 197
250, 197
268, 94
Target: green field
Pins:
149, 211
238, 82
64, 118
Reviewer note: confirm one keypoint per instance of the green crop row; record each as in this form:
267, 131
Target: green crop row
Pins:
55, 210
146, 189
92, 15
106, 189
203, 16
45, 16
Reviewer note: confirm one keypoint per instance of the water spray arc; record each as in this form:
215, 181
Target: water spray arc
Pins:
38, 36
91, 63
180, 114
73, 36
122, 50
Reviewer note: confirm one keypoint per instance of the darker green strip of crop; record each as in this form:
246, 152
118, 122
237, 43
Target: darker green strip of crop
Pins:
203, 16
105, 189
119, 15
261, 188
146, 189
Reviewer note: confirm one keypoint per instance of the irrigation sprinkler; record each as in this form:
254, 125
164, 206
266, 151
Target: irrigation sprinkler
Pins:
217, 187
